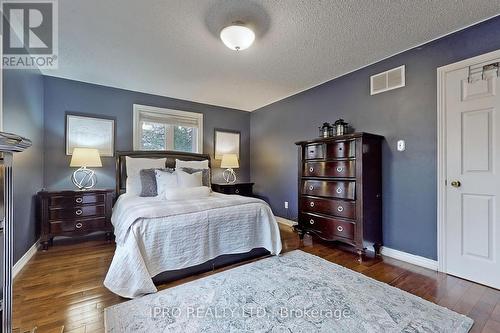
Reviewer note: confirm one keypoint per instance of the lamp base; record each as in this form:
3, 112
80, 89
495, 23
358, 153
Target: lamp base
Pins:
84, 179
229, 176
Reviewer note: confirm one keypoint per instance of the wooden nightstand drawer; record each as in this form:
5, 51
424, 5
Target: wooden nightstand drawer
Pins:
58, 227
244, 189
76, 212
77, 199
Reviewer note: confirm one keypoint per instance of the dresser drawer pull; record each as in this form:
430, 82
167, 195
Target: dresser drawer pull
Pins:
340, 209
237, 191
340, 169
79, 200
311, 169
78, 212
311, 188
311, 204
78, 225
339, 190
311, 221
340, 228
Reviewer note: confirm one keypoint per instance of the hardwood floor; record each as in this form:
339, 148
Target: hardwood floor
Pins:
61, 290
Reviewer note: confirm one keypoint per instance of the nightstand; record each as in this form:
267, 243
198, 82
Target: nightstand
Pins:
244, 189
74, 213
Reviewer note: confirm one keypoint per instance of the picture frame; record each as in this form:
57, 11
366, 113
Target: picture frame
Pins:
226, 142
89, 131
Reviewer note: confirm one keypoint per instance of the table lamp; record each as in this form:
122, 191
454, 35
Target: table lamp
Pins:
82, 158
229, 161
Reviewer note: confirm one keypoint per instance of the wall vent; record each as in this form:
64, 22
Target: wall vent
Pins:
389, 80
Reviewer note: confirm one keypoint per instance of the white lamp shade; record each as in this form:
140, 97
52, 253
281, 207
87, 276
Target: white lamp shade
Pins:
85, 157
237, 37
229, 161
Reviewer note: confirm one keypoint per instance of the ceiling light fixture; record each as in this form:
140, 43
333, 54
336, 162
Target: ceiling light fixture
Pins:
237, 37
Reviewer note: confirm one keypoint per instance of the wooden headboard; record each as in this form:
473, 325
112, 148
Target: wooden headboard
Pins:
171, 156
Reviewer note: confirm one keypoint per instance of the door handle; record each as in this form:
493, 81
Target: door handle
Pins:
456, 183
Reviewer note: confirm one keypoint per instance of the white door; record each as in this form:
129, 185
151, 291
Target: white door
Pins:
472, 106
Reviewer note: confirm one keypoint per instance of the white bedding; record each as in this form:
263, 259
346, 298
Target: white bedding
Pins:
155, 235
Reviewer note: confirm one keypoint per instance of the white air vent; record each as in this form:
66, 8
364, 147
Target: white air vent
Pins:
392, 79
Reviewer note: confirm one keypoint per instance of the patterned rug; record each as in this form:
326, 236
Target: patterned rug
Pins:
296, 292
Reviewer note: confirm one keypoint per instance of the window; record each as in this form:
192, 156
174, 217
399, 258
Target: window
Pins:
165, 129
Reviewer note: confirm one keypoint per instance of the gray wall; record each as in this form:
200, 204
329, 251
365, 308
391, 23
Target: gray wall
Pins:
63, 95
23, 115
409, 178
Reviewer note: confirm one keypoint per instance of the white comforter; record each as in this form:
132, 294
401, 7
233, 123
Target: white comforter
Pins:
155, 235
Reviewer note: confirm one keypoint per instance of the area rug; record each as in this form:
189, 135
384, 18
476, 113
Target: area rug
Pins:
295, 292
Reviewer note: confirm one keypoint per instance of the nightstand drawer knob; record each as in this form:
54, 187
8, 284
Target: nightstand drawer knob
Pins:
311, 204
311, 221
311, 188
340, 169
340, 228
311, 169
79, 200
339, 190
340, 209
78, 212
237, 191
78, 225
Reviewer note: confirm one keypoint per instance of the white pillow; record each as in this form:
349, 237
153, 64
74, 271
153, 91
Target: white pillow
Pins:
134, 166
185, 179
191, 164
187, 193
165, 180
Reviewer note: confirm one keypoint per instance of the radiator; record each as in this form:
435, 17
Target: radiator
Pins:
9, 144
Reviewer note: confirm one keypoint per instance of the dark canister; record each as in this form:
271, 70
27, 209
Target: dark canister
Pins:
340, 127
326, 130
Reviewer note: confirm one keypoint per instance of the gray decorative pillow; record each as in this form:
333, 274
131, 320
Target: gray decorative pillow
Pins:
205, 176
148, 182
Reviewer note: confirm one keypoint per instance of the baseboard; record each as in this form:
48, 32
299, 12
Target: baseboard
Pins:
410, 258
24, 260
282, 220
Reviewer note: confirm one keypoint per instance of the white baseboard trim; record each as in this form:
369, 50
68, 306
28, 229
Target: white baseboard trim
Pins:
410, 258
24, 260
282, 220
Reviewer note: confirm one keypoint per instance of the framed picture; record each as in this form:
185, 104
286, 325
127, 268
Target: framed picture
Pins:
90, 132
226, 142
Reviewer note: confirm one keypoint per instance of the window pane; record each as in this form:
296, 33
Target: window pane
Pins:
153, 136
184, 138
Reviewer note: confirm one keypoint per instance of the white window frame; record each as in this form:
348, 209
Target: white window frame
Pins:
138, 108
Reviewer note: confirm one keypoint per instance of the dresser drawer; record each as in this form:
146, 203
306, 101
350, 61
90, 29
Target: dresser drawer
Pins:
314, 151
326, 227
341, 149
76, 212
340, 208
341, 189
58, 227
77, 199
330, 169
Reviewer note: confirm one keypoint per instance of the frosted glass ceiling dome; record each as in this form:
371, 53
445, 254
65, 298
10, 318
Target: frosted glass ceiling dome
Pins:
237, 37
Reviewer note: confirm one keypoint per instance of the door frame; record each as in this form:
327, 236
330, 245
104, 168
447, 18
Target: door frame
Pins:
441, 148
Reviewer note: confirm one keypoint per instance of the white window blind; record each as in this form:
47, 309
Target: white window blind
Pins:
167, 129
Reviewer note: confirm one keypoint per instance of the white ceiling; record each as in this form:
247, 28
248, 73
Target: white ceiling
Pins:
171, 47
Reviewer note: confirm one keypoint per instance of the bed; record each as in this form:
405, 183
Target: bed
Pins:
159, 240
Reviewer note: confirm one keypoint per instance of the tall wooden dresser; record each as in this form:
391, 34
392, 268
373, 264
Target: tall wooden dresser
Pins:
340, 190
